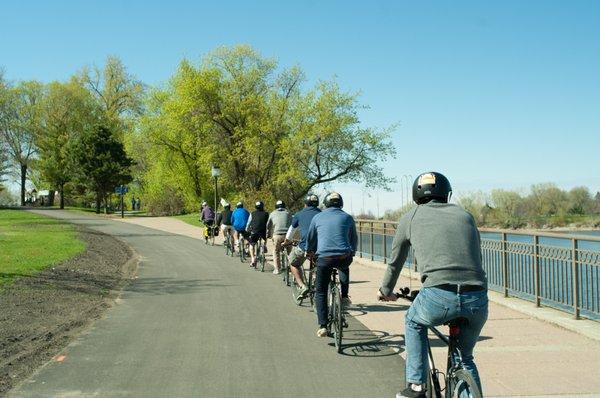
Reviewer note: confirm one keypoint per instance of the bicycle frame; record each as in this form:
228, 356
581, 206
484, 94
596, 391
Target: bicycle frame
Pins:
454, 362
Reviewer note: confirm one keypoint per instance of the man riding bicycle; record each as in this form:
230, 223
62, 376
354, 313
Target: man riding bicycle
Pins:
301, 222
447, 246
224, 219
239, 219
257, 229
332, 239
207, 216
277, 226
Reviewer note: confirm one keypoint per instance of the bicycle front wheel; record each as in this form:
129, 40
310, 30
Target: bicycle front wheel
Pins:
463, 385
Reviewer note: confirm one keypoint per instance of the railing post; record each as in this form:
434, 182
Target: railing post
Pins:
536, 269
360, 248
384, 243
575, 276
504, 265
372, 245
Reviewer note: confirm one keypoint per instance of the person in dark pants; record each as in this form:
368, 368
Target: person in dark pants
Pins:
332, 239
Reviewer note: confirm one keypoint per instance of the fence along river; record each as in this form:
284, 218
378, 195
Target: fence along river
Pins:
556, 270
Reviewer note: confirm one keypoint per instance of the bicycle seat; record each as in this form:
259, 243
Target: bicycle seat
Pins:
460, 321
455, 325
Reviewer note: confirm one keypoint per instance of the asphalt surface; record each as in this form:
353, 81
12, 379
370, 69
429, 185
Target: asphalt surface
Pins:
196, 323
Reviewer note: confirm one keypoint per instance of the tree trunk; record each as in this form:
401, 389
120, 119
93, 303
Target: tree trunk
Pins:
62, 196
51, 198
98, 203
23, 179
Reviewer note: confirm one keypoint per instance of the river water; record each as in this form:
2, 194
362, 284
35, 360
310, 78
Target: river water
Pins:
555, 267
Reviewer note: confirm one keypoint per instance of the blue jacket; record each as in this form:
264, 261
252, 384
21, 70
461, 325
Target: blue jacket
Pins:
302, 219
239, 219
332, 233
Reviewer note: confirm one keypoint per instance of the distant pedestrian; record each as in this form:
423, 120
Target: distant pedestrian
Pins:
132, 203
138, 204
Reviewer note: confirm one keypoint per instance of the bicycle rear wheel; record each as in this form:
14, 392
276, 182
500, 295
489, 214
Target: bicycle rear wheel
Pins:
462, 385
261, 255
310, 283
285, 267
338, 322
241, 250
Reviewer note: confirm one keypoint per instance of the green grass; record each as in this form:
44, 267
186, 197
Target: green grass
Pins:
30, 243
191, 219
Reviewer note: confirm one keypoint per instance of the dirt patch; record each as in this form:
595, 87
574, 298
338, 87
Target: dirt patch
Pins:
41, 314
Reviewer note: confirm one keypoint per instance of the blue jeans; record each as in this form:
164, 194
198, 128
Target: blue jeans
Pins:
433, 307
324, 268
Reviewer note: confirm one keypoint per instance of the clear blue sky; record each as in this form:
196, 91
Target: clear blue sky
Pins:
494, 95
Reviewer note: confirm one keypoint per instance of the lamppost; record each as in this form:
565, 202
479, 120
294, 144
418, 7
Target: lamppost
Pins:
215, 172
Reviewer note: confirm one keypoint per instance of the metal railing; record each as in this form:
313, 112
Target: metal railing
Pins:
551, 269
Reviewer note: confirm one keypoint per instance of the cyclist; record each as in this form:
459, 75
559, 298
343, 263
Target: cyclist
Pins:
332, 239
224, 219
277, 226
300, 223
257, 229
207, 216
447, 245
239, 219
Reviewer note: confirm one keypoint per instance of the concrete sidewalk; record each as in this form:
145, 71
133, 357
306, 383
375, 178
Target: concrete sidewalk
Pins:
518, 354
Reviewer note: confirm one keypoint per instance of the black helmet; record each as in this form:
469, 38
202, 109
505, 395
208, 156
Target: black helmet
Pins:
259, 205
430, 186
280, 204
333, 199
311, 200
239, 205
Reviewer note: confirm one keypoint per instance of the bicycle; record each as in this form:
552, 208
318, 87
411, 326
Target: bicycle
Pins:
209, 233
336, 321
241, 249
309, 278
261, 256
458, 381
228, 242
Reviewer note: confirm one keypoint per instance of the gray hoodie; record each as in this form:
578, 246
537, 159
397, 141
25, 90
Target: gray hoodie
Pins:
279, 222
446, 243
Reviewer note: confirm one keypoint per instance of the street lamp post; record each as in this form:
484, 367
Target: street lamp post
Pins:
215, 172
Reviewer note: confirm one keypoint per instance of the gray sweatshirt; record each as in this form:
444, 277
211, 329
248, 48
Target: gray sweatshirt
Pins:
279, 222
446, 243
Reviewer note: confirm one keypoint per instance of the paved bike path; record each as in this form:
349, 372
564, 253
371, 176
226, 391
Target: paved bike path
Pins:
198, 324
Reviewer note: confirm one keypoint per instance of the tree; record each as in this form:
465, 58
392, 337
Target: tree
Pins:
270, 139
509, 208
580, 200
68, 111
547, 199
3, 166
101, 163
19, 123
118, 93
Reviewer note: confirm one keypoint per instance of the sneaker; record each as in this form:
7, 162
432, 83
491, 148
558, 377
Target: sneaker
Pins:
322, 332
410, 393
346, 301
303, 292
276, 271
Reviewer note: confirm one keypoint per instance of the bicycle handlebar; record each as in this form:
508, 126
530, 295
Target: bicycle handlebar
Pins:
406, 294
